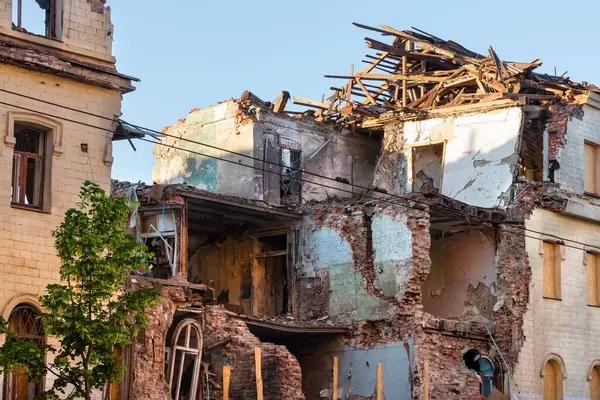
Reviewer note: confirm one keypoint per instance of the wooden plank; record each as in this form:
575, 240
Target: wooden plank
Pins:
271, 254
226, 380
335, 377
350, 84
426, 380
549, 273
281, 102
366, 92
310, 103
258, 370
379, 381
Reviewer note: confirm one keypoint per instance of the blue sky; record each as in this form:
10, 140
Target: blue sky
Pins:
195, 53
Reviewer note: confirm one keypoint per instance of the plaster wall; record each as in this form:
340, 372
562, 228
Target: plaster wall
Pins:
461, 284
357, 369
217, 126
567, 327
480, 154
358, 279
325, 150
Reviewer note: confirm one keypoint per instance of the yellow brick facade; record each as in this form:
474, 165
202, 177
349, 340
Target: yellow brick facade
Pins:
28, 261
568, 327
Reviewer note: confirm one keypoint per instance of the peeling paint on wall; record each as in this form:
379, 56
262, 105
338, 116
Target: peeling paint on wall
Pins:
392, 246
480, 157
462, 282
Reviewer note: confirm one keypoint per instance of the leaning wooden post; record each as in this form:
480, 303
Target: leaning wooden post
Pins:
426, 380
257, 364
380, 381
226, 379
335, 378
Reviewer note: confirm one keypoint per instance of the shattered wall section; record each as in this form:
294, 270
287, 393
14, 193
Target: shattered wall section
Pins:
325, 150
281, 372
148, 349
362, 254
462, 282
480, 156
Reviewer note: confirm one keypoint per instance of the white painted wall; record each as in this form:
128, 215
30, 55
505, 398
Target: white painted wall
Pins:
481, 153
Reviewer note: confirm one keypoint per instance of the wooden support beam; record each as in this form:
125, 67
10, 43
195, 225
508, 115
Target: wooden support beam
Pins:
226, 380
366, 92
335, 378
258, 369
281, 102
379, 381
350, 84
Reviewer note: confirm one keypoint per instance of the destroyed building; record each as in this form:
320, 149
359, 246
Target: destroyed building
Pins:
436, 215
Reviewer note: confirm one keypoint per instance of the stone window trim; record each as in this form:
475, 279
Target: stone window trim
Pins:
55, 128
555, 357
594, 364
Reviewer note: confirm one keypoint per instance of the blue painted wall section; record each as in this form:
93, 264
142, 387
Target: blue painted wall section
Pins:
358, 371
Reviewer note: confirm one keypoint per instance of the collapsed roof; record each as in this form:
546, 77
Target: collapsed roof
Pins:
419, 73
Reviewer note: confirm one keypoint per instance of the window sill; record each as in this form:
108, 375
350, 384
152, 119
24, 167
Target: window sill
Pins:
57, 44
596, 195
29, 208
552, 298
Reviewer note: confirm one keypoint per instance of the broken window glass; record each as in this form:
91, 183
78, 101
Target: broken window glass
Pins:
184, 358
35, 16
28, 165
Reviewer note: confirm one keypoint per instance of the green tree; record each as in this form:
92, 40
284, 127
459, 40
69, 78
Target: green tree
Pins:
88, 312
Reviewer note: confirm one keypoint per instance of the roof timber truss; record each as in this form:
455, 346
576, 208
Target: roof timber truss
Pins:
419, 73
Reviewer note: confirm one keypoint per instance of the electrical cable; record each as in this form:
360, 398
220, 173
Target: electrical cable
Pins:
381, 193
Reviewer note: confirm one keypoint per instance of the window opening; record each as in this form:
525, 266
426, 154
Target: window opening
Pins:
553, 380
28, 165
184, 360
290, 187
595, 384
270, 276
551, 268
593, 292
428, 162
484, 368
590, 165
24, 322
37, 17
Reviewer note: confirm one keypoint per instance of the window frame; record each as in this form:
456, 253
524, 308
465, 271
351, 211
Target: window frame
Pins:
23, 159
586, 261
7, 380
53, 148
53, 31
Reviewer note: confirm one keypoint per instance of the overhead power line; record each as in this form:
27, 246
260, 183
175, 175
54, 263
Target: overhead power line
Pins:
380, 193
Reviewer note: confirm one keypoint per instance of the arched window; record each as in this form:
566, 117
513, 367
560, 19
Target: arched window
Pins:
553, 373
184, 358
24, 322
594, 379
